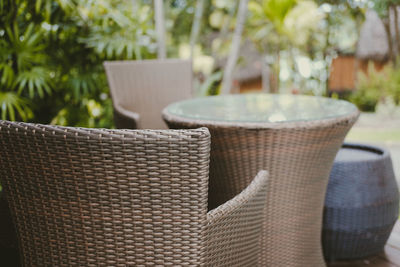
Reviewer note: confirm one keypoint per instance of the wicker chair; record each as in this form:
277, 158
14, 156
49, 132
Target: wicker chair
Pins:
96, 197
141, 89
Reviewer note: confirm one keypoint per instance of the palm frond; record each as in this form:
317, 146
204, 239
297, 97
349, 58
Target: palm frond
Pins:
27, 46
12, 105
7, 75
67, 5
82, 83
35, 80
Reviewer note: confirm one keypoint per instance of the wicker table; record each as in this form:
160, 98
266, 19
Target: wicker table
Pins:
295, 138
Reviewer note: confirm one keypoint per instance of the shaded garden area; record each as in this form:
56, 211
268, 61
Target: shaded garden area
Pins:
52, 50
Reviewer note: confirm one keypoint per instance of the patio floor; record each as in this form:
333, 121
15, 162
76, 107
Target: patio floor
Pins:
388, 258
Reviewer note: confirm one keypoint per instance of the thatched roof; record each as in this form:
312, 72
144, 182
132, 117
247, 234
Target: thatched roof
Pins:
372, 43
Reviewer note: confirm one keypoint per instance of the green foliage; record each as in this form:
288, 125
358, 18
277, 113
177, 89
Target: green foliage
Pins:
13, 105
35, 80
51, 51
392, 84
375, 86
211, 86
51, 55
124, 31
365, 100
382, 6
276, 11
279, 23
369, 89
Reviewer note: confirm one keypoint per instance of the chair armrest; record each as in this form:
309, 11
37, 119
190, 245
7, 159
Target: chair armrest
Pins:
125, 119
234, 229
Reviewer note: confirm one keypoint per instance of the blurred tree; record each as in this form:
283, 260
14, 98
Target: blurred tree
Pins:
281, 25
160, 28
388, 12
194, 34
235, 46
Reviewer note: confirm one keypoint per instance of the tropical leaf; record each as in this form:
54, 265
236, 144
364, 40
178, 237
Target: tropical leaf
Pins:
276, 11
116, 32
121, 43
67, 5
61, 118
82, 83
13, 105
47, 6
256, 10
7, 75
27, 47
35, 80
211, 84
38, 5
297, 26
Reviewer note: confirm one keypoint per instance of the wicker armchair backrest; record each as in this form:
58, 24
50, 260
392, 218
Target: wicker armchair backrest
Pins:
147, 87
90, 197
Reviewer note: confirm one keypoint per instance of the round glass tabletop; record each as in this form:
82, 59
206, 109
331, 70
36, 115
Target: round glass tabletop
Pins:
260, 108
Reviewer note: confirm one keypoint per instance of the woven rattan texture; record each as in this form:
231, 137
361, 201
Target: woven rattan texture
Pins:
234, 228
298, 157
92, 197
140, 89
85, 197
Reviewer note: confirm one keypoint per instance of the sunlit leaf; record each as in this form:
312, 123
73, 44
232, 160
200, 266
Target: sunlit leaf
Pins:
66, 4
60, 118
10, 34
256, 9
211, 84
11, 104
7, 75
47, 10
38, 5
35, 80
81, 83
216, 19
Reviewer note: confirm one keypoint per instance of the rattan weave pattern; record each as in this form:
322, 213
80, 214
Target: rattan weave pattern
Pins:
233, 230
96, 197
140, 89
298, 157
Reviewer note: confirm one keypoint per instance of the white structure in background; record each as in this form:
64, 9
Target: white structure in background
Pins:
196, 25
235, 46
160, 28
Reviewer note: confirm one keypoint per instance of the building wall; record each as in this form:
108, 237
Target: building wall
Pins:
343, 74
344, 71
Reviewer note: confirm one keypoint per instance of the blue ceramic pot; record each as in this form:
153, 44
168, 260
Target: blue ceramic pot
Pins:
362, 203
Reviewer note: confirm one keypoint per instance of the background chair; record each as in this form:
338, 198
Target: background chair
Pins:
140, 90
90, 197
